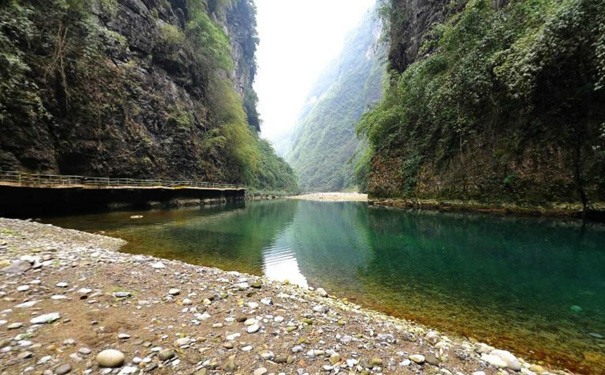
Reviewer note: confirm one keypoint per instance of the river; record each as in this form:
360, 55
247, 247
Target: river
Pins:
532, 285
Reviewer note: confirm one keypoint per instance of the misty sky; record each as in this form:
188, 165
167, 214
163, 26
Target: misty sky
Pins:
298, 38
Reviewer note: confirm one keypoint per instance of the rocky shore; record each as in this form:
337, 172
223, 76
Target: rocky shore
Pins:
71, 304
596, 211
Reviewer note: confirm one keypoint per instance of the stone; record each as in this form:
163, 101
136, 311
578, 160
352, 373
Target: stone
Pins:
230, 365
111, 358
320, 309
25, 355
187, 302
62, 285
334, 358
62, 369
166, 354
511, 361
576, 309
267, 355
233, 336
46, 318
84, 351
14, 326
536, 368
182, 341
23, 288
260, 371
25, 305
596, 335
158, 265
494, 360
127, 370
228, 345
374, 362
321, 292
256, 284
151, 367
84, 292
122, 294
253, 328
280, 359
297, 349
431, 359
483, 348
123, 336
174, 292
17, 267
267, 301
417, 358
432, 337
44, 359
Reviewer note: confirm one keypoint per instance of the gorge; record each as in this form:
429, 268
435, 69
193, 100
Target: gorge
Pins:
153, 222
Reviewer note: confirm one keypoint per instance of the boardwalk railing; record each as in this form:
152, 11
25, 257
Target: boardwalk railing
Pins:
49, 180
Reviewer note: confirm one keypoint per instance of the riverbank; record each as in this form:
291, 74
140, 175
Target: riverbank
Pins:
68, 295
332, 197
597, 211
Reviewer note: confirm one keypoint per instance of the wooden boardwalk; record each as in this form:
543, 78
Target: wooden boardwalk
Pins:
49, 181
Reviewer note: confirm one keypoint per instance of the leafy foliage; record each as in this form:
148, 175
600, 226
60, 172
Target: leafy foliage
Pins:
156, 98
513, 82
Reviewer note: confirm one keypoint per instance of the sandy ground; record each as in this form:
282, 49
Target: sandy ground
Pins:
168, 317
332, 197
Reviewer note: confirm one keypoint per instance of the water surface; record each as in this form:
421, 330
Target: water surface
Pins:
536, 286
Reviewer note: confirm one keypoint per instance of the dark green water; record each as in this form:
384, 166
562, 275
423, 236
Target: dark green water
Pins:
536, 286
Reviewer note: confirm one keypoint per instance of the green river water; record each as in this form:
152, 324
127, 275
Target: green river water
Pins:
535, 286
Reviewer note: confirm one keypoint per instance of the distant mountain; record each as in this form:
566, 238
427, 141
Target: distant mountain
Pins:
324, 141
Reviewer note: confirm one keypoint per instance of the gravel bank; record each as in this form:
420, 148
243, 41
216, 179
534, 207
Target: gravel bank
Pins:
334, 197
66, 297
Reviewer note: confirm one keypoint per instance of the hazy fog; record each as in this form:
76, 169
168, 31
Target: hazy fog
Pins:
298, 39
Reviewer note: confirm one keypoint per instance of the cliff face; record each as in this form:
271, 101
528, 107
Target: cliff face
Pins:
324, 140
494, 101
131, 88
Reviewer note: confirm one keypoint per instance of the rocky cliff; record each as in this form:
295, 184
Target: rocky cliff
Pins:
132, 88
492, 101
324, 142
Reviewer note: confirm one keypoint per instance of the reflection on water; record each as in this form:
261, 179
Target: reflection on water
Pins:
533, 285
279, 263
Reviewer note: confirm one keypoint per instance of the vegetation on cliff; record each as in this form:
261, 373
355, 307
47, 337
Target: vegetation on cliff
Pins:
324, 140
133, 89
499, 101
